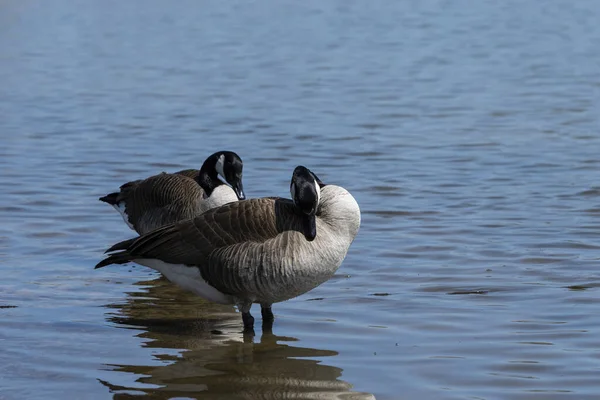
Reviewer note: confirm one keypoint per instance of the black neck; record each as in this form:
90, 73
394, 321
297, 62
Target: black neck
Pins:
208, 178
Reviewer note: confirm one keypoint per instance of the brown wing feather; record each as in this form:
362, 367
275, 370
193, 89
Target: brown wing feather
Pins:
159, 200
192, 241
190, 173
247, 267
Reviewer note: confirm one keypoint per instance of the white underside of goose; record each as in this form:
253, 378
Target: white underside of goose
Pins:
120, 207
188, 278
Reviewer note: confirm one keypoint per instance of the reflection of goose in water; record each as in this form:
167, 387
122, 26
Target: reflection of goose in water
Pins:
217, 363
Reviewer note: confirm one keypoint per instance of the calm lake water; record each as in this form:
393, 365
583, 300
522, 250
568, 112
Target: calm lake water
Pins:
468, 132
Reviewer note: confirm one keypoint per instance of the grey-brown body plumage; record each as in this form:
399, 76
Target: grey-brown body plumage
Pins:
160, 200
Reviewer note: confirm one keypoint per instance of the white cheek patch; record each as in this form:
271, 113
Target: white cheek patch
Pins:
220, 165
318, 189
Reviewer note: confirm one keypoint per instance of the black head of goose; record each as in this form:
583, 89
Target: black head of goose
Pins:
150, 203
227, 165
264, 250
305, 189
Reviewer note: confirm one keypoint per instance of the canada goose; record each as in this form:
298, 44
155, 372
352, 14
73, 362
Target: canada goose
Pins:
264, 250
148, 204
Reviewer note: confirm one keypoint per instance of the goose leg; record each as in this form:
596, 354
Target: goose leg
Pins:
247, 318
267, 317
267, 314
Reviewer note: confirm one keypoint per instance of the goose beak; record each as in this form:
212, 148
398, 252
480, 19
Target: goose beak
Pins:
310, 228
238, 188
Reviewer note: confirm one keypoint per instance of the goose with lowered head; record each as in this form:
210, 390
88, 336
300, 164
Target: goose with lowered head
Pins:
162, 199
263, 251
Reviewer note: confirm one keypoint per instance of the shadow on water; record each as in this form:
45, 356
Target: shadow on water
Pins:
205, 355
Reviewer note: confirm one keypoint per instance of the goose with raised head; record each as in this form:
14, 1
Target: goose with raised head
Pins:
264, 250
162, 199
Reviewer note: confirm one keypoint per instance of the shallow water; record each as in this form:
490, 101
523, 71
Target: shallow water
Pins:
467, 132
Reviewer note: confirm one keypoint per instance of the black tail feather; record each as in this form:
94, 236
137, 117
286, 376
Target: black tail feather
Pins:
124, 245
110, 198
117, 258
